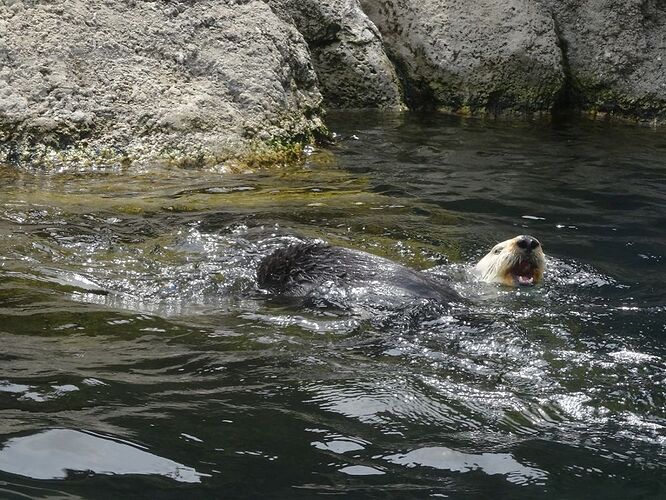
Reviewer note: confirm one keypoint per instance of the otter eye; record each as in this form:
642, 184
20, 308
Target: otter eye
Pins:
497, 250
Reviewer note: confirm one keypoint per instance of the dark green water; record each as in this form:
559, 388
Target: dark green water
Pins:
138, 360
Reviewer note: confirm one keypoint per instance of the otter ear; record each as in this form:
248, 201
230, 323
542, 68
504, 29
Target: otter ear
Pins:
497, 250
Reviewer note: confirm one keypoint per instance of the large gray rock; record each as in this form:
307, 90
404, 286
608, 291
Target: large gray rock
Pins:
95, 81
201, 81
616, 56
347, 52
482, 57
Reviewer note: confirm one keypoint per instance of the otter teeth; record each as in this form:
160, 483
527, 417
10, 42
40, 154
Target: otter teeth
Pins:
525, 280
523, 273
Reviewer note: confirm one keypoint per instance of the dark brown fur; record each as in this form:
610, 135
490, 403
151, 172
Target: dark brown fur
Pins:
298, 269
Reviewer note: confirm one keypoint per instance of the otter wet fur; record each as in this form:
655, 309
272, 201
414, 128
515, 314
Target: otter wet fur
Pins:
519, 261
300, 268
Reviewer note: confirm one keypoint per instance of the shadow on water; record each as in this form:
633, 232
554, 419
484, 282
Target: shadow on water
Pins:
140, 358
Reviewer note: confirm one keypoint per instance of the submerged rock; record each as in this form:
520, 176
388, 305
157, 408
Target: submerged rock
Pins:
189, 81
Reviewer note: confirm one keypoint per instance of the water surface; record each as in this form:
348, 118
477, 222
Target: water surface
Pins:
140, 359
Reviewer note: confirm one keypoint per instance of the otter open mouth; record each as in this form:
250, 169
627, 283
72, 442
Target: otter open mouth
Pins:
524, 273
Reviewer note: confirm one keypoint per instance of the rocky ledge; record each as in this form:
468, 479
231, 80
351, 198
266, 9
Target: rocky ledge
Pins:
200, 82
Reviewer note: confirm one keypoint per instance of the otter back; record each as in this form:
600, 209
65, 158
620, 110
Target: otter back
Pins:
303, 268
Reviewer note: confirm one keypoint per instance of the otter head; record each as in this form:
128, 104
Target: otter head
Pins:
519, 261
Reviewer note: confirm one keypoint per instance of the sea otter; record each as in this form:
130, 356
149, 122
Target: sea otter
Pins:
519, 261
300, 269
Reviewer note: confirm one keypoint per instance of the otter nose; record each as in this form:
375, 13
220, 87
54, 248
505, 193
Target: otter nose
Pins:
527, 243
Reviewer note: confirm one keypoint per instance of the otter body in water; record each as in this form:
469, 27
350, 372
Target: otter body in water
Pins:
301, 268
351, 277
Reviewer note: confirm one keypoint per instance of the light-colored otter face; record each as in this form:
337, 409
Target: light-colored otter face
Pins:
519, 261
